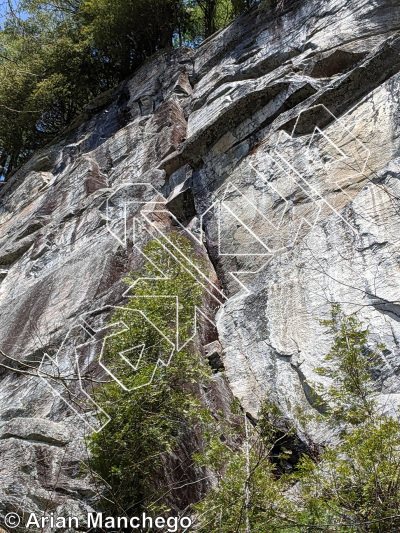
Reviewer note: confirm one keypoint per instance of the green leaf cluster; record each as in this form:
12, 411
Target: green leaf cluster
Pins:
47, 75
150, 421
249, 494
349, 364
353, 485
62, 54
356, 487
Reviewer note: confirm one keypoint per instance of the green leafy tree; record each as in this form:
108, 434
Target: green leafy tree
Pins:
47, 76
124, 33
350, 364
208, 16
62, 54
353, 485
250, 494
149, 421
356, 485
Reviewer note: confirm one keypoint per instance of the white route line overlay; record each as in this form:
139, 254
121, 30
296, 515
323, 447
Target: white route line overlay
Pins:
142, 223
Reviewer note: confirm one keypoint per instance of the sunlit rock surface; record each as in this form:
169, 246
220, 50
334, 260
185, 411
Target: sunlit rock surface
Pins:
277, 144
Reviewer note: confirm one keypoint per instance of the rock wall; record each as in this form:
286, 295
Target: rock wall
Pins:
276, 144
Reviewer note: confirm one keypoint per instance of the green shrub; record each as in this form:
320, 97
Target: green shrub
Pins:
148, 421
249, 495
353, 486
62, 54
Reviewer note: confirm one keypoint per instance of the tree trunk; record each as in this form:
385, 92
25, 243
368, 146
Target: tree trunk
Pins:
210, 14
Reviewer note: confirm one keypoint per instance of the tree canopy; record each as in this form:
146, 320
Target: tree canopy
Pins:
57, 55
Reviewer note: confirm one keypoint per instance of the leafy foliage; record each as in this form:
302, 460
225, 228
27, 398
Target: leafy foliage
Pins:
47, 76
249, 495
353, 486
147, 422
350, 365
124, 34
356, 487
63, 53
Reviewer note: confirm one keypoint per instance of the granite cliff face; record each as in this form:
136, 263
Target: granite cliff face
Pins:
277, 143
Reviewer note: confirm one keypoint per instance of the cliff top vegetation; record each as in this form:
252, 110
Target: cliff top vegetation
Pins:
58, 55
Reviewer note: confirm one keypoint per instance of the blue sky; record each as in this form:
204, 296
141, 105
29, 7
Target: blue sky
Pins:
4, 9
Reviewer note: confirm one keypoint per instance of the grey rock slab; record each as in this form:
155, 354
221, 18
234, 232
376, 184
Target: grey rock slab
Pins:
310, 217
36, 429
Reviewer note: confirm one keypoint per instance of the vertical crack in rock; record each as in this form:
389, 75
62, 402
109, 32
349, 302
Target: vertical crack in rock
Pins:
287, 123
